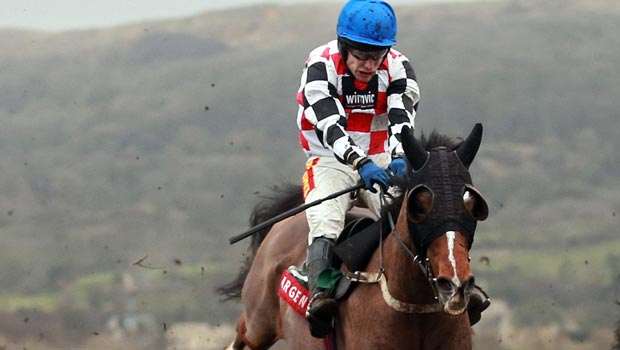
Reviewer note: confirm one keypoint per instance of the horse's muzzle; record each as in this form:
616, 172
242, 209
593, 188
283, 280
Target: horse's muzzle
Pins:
454, 296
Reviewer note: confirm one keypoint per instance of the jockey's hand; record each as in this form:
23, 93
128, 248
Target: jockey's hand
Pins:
398, 167
372, 174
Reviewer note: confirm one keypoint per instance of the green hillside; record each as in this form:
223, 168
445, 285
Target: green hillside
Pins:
157, 139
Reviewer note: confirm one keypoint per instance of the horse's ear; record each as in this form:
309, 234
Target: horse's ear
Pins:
414, 151
468, 149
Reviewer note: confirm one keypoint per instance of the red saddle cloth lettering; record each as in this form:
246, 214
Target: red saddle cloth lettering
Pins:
294, 293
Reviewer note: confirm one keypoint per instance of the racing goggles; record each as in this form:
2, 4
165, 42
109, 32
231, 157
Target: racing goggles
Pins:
368, 55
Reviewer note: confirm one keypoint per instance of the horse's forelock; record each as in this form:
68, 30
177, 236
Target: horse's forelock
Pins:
433, 141
436, 140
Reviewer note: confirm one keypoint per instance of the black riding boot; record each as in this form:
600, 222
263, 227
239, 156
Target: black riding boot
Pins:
322, 306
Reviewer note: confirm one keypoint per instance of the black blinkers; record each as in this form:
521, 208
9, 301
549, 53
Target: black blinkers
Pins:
450, 186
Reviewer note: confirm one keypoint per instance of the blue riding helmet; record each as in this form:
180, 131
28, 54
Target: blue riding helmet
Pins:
370, 22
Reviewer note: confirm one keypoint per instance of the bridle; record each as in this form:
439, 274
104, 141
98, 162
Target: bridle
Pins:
422, 263
379, 277
425, 267
420, 259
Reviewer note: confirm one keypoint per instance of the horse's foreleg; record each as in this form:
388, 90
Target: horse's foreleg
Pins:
239, 344
241, 340
234, 346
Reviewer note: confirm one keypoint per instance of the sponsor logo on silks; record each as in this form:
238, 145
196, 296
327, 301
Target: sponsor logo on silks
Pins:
294, 293
357, 95
360, 101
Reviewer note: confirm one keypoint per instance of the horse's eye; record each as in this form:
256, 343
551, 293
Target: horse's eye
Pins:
419, 203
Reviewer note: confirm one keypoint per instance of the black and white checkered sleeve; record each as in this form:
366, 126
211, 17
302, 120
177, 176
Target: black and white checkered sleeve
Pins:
403, 97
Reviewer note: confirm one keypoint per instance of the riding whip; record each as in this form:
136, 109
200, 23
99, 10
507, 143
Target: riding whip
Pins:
292, 212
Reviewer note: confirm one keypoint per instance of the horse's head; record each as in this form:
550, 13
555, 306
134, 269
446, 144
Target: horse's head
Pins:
442, 209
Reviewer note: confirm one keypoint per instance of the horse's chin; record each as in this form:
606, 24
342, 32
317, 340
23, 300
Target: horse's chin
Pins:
455, 305
453, 312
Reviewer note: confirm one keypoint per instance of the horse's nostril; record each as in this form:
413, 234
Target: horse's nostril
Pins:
445, 284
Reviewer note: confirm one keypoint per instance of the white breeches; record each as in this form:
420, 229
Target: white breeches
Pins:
325, 176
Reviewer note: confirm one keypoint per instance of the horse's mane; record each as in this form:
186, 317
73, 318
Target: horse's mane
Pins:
280, 199
288, 196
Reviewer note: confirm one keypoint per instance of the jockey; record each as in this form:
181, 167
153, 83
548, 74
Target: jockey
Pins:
356, 95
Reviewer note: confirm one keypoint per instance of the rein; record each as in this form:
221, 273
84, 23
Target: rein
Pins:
423, 265
381, 278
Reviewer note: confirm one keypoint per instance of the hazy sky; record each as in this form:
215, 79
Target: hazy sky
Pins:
80, 14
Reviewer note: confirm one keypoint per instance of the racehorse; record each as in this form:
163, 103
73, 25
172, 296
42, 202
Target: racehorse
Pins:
417, 283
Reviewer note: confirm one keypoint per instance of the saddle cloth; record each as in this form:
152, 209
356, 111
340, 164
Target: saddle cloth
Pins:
294, 290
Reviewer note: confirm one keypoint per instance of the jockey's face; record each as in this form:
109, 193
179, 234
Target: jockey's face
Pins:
363, 65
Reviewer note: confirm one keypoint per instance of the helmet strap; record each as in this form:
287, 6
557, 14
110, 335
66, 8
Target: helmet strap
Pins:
344, 50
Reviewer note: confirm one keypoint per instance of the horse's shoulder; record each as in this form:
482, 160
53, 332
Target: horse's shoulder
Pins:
286, 241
